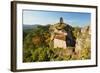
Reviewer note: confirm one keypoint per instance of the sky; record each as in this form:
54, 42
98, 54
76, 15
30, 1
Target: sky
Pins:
31, 17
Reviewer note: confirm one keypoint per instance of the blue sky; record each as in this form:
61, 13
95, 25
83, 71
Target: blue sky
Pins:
31, 17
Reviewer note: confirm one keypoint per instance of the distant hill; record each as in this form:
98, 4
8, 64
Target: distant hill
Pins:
25, 27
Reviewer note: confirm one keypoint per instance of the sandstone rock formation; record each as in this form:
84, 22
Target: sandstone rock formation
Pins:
83, 43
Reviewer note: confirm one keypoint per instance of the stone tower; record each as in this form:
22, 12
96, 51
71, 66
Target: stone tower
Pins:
61, 20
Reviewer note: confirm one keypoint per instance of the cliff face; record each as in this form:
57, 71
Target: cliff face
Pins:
65, 28
83, 43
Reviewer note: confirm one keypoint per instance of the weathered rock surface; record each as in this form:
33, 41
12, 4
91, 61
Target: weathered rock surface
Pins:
83, 43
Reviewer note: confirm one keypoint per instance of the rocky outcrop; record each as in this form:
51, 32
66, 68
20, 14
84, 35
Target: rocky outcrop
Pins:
65, 29
83, 43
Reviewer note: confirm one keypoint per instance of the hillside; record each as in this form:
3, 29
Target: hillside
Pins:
38, 46
25, 27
